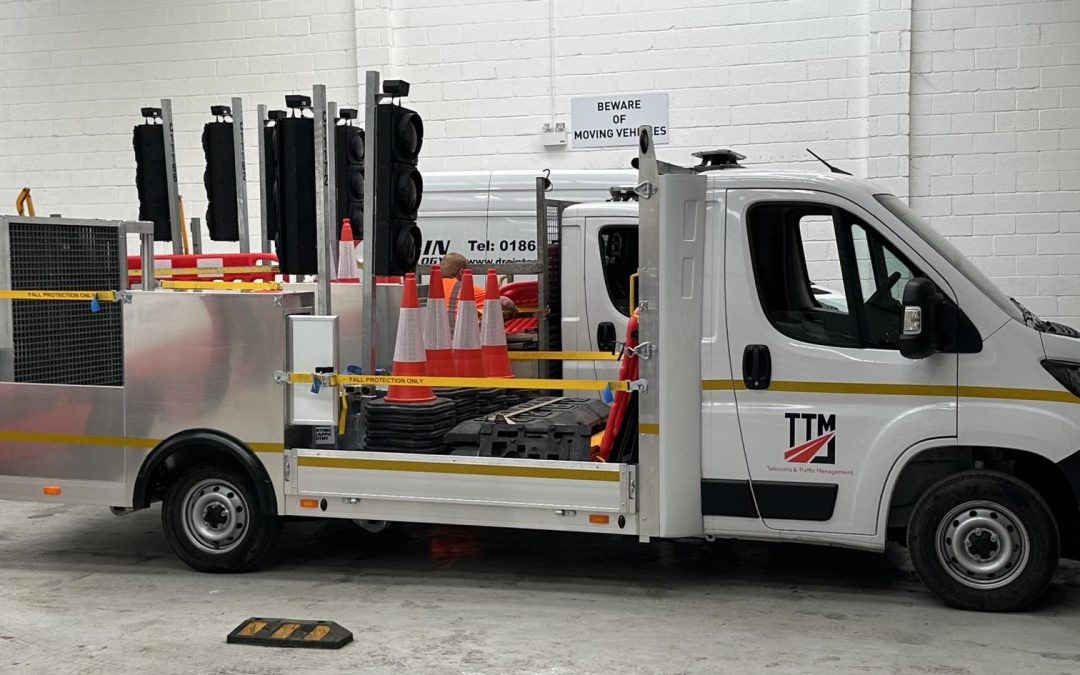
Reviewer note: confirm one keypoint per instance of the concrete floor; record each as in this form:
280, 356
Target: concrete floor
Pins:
84, 592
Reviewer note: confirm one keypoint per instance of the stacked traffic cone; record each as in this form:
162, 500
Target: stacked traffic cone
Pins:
410, 358
468, 358
437, 338
346, 265
493, 333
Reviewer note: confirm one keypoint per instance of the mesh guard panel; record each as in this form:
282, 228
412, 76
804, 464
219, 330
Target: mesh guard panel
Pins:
62, 342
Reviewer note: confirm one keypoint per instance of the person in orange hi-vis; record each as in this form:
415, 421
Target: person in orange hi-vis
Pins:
452, 265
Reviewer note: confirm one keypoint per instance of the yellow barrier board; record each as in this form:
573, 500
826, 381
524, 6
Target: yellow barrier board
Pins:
222, 285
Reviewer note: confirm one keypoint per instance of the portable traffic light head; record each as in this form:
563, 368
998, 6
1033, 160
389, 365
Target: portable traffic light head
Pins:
219, 178
151, 180
399, 188
349, 171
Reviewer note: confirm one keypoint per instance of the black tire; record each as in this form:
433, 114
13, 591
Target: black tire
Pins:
984, 520
213, 521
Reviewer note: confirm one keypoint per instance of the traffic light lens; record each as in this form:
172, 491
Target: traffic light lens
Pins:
410, 135
356, 184
356, 147
410, 190
407, 245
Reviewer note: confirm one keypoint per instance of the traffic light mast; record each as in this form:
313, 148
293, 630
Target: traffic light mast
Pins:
392, 192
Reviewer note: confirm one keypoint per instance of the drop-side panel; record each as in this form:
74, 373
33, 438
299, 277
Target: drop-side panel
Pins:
51, 434
535, 494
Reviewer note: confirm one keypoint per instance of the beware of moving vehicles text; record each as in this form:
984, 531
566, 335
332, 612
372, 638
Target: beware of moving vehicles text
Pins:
600, 121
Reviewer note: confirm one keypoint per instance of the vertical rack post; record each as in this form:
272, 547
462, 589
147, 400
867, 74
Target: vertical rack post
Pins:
146, 252
367, 333
170, 177
333, 227
322, 297
543, 273
264, 180
196, 236
240, 173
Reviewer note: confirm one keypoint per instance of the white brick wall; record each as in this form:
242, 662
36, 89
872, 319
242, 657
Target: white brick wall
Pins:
970, 107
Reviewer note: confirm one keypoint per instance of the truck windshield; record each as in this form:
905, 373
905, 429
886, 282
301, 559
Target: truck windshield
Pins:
950, 253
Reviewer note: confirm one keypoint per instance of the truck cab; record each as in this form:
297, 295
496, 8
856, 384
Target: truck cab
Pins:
883, 386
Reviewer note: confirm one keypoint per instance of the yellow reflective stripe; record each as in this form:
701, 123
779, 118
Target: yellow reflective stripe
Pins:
873, 388
563, 356
266, 447
1017, 394
649, 428
122, 441
177, 271
466, 469
103, 296
717, 385
473, 382
77, 439
222, 285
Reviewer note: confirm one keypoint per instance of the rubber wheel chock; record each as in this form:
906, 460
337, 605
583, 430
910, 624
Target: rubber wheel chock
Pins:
290, 633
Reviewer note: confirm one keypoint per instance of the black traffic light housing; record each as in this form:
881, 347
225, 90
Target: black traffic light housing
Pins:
222, 219
294, 192
151, 179
399, 189
349, 173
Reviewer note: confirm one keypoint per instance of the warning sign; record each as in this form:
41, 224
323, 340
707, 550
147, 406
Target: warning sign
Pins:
602, 121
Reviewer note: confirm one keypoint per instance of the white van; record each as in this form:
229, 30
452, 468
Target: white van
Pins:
490, 216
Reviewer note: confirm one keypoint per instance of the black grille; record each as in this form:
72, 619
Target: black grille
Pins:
64, 342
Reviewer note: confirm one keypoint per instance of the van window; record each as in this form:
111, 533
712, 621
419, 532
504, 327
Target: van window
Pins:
619, 259
823, 276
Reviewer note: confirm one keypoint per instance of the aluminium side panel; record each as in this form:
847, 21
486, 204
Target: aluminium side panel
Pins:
206, 360
487, 491
71, 436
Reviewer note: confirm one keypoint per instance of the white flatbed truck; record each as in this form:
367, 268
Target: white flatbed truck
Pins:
934, 406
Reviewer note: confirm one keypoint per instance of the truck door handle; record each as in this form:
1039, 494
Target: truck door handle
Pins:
757, 367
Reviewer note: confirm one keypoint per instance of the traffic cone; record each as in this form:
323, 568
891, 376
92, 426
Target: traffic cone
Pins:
493, 333
468, 358
437, 338
409, 356
346, 264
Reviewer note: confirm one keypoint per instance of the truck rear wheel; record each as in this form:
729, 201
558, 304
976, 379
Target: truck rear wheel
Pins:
985, 541
213, 522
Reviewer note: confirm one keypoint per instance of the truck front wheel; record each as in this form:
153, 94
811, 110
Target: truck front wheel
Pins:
213, 522
985, 541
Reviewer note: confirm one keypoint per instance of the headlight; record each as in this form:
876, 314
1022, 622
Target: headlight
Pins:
1068, 374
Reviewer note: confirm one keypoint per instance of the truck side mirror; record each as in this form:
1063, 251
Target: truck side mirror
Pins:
605, 337
918, 334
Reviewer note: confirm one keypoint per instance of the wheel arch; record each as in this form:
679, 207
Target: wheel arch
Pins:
913, 475
190, 447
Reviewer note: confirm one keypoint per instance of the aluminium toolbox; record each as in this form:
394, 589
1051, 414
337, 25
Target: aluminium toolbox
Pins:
558, 428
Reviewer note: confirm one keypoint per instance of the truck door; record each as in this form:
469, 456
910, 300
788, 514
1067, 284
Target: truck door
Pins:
826, 403
611, 257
